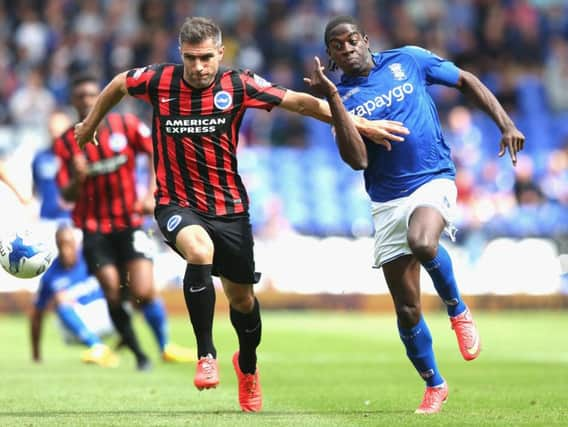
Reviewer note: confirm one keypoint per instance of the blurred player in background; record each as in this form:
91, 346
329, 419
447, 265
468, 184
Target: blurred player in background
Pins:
202, 205
78, 299
411, 185
102, 183
44, 169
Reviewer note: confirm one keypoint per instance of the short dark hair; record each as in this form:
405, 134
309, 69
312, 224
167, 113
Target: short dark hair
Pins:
334, 22
196, 29
338, 20
83, 77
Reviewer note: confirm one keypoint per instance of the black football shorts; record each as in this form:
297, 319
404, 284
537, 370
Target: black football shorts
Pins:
115, 248
232, 238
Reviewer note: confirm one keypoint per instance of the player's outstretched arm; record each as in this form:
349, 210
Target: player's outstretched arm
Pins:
512, 139
36, 321
111, 95
378, 131
6, 180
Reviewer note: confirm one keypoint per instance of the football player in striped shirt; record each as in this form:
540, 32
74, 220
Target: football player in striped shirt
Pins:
101, 181
201, 203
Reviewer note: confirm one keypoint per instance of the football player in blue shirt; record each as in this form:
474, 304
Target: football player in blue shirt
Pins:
79, 302
44, 169
82, 308
411, 183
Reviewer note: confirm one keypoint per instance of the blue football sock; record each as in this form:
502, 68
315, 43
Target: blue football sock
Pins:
155, 315
442, 274
418, 343
74, 323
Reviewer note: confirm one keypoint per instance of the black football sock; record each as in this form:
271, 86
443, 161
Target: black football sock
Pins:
249, 329
123, 325
200, 299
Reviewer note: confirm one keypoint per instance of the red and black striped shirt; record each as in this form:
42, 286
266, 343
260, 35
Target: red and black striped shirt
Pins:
195, 134
106, 200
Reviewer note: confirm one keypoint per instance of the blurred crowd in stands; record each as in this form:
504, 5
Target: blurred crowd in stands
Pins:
519, 48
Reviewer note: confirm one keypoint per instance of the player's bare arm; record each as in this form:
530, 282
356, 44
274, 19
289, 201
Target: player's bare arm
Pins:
146, 204
379, 131
6, 180
79, 170
512, 139
111, 95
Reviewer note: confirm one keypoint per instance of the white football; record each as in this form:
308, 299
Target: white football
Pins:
22, 256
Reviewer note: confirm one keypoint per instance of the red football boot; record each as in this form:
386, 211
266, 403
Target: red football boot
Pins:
467, 335
250, 393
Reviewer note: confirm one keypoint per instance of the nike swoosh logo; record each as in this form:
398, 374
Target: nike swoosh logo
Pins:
250, 331
474, 348
163, 100
193, 290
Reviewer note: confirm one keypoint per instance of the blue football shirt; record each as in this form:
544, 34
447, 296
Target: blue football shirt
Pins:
76, 282
44, 167
395, 89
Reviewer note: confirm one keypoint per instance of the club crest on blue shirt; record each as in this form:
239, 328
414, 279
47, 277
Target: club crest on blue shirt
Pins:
48, 169
223, 100
397, 71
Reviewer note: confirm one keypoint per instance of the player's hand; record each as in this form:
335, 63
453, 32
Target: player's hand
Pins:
318, 81
145, 206
85, 135
25, 200
513, 141
382, 132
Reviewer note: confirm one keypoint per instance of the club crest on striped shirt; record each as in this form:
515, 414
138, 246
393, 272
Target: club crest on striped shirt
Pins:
117, 142
223, 100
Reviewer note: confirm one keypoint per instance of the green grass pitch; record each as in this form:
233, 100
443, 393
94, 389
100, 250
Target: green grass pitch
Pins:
317, 369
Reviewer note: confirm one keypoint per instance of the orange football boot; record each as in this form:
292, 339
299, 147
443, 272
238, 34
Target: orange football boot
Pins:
467, 335
433, 399
250, 393
206, 373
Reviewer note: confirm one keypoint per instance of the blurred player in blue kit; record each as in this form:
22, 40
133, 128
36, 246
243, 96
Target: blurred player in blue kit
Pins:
81, 306
410, 183
79, 302
44, 169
